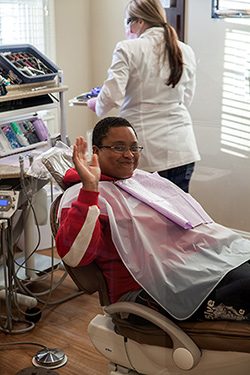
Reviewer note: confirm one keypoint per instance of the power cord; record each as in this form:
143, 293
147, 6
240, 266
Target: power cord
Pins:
24, 343
16, 284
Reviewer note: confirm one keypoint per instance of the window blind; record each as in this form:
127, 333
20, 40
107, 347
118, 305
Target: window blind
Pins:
234, 4
28, 21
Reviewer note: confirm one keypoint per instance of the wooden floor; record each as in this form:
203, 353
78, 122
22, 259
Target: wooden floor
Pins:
62, 326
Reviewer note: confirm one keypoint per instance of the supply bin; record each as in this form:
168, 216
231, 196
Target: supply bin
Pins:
23, 63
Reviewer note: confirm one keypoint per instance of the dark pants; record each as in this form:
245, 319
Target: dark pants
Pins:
228, 301
180, 176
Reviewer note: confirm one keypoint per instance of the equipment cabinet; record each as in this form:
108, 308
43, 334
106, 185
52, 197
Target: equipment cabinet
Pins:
26, 100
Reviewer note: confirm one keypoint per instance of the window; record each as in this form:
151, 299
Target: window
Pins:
28, 21
230, 8
165, 3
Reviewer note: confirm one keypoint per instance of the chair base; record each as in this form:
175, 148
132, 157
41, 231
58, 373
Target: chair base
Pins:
129, 357
114, 369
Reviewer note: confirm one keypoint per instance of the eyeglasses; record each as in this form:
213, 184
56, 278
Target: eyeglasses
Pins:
122, 149
130, 19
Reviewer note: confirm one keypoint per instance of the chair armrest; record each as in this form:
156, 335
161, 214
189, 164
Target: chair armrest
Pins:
186, 354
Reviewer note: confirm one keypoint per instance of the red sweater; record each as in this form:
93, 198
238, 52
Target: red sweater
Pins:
85, 234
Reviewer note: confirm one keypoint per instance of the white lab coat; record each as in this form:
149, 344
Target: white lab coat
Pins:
158, 112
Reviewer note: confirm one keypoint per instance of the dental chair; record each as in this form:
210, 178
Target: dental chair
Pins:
155, 345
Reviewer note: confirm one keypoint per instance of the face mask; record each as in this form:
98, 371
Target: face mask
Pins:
129, 35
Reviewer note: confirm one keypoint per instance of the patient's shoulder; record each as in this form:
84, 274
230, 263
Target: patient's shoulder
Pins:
71, 177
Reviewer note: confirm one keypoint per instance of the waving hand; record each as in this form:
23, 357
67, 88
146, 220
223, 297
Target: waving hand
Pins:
89, 174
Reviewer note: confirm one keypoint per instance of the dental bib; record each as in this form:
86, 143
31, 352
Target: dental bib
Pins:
178, 267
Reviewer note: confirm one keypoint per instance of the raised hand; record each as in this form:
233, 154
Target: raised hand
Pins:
89, 174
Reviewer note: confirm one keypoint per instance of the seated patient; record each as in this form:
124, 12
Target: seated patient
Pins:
196, 272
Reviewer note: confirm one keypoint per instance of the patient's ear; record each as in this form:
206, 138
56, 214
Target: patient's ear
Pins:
95, 150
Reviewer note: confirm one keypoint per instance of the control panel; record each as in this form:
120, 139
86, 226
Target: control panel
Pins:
8, 203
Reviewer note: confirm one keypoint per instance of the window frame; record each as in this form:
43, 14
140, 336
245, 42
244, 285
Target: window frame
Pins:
228, 13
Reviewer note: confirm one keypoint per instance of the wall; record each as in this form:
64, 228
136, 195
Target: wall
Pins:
221, 114
72, 20
108, 17
86, 34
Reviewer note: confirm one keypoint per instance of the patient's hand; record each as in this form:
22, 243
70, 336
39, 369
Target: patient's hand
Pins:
89, 174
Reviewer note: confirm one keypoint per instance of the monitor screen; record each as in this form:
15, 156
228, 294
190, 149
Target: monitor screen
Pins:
3, 202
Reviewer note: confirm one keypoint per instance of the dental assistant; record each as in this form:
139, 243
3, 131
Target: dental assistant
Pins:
152, 81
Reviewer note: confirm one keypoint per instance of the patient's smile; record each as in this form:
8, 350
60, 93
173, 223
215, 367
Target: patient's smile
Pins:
114, 164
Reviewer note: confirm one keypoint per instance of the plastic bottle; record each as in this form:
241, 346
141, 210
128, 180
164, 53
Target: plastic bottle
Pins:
4, 81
